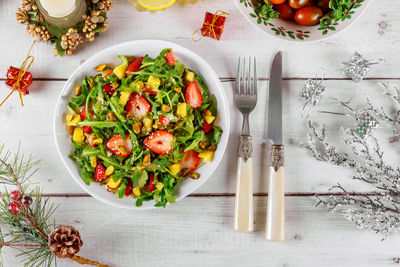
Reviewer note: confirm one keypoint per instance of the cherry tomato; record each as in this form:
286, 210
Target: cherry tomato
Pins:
323, 4
277, 2
285, 11
308, 16
296, 4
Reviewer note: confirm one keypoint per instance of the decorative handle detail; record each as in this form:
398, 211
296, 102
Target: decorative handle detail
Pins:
245, 147
277, 157
276, 196
244, 187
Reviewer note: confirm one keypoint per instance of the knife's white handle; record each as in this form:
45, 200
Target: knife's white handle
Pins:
276, 196
244, 187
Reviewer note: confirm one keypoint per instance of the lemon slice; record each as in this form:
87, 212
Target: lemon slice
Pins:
156, 4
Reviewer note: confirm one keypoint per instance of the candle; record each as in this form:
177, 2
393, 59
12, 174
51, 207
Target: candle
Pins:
57, 8
62, 13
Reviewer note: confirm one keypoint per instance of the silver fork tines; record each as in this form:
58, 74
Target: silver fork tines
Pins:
246, 89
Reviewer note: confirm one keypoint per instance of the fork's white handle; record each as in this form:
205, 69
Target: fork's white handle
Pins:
276, 196
244, 187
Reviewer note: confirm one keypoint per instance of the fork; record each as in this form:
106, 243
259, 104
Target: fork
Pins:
246, 100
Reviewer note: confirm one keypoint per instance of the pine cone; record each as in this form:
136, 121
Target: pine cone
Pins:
65, 241
22, 16
70, 41
39, 32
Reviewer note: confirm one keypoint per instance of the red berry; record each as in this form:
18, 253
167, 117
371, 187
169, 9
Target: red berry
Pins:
87, 129
16, 195
170, 58
193, 95
207, 127
26, 201
14, 208
135, 65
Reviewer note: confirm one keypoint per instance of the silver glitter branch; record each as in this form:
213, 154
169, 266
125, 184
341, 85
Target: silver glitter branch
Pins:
379, 212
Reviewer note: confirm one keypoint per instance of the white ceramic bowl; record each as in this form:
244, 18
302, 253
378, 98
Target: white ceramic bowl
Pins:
109, 56
289, 30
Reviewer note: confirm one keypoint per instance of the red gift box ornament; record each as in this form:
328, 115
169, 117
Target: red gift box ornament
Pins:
213, 26
20, 79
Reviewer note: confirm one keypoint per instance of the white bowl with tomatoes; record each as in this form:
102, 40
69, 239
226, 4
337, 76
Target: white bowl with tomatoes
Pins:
151, 48
301, 20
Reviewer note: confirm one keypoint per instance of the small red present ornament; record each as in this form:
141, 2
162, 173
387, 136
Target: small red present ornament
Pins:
19, 79
213, 26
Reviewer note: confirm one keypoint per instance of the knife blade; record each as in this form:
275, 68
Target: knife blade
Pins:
275, 101
276, 193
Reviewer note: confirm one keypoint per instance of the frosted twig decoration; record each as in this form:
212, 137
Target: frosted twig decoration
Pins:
377, 212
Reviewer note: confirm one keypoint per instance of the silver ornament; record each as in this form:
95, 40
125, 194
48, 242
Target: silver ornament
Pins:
357, 67
312, 93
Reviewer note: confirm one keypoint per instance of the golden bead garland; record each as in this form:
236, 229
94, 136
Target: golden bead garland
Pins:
66, 40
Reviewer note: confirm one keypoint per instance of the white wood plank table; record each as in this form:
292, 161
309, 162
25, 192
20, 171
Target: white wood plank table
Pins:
198, 230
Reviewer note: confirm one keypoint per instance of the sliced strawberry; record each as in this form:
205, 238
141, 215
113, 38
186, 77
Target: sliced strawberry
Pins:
100, 173
128, 189
191, 160
170, 58
193, 95
120, 147
135, 65
87, 129
150, 91
107, 73
207, 127
151, 184
159, 142
84, 113
164, 120
137, 106
90, 140
108, 88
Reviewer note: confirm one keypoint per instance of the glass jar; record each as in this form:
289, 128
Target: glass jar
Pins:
66, 18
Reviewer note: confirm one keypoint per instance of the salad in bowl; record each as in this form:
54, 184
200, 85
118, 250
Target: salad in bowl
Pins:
143, 127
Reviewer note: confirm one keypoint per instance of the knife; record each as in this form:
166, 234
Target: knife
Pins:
276, 193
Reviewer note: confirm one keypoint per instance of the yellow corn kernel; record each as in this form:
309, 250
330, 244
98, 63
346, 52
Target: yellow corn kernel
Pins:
112, 184
159, 186
175, 168
123, 99
207, 112
97, 141
120, 71
78, 135
100, 67
140, 85
69, 117
209, 118
78, 90
181, 110
189, 76
93, 162
136, 127
115, 85
136, 191
111, 116
178, 90
148, 124
165, 108
146, 159
70, 129
76, 118
207, 155
153, 83
122, 149
110, 170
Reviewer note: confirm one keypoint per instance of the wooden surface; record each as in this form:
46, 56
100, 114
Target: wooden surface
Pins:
198, 230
